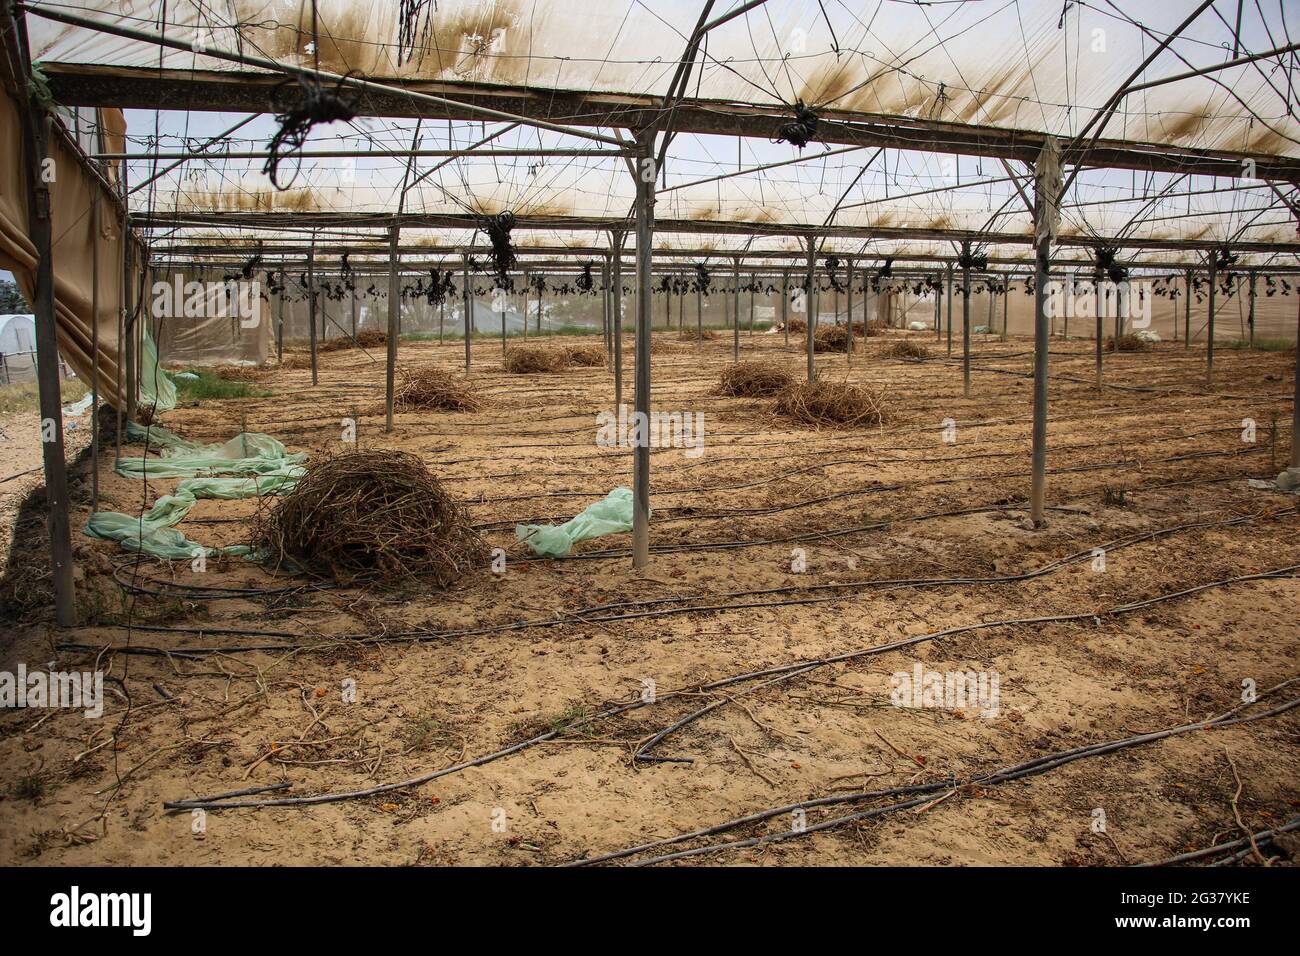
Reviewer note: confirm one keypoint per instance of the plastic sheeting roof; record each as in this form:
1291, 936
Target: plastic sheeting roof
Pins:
1040, 65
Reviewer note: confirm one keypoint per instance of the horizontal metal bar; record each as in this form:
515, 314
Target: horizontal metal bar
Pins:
366, 154
525, 222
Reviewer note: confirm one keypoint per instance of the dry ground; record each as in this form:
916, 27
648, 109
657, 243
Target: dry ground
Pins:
444, 678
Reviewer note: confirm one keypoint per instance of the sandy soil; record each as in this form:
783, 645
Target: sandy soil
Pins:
20, 461
871, 510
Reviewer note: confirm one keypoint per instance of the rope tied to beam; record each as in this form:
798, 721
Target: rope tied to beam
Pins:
1106, 263
503, 251
316, 105
702, 278
801, 130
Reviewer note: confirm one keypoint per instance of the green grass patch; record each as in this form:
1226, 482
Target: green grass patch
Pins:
25, 396
210, 385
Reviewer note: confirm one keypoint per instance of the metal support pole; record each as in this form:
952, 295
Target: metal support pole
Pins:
129, 324
311, 309
735, 310
1187, 315
279, 324
1038, 490
119, 385
606, 315
988, 284
645, 201
965, 319
94, 352
1006, 305
810, 303
848, 273
753, 291
467, 303
1250, 312
1209, 341
938, 314
668, 308
699, 318
40, 227
950, 310
1100, 309
353, 296
1295, 406
394, 310
785, 305
616, 240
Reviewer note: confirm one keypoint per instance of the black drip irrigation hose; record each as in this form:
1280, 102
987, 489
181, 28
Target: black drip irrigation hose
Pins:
666, 515
925, 792
804, 469
216, 803
601, 613
1246, 844
742, 543
204, 592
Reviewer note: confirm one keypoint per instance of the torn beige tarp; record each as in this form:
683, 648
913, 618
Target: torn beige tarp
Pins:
76, 243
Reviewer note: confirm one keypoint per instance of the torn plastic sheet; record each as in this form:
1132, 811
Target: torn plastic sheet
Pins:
250, 464
157, 390
610, 515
